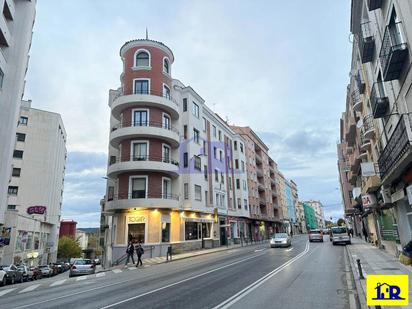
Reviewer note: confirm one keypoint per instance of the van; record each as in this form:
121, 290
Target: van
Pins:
340, 234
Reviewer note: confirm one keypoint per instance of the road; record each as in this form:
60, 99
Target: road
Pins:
304, 276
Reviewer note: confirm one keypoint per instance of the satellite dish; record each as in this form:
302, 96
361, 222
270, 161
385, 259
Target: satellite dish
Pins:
359, 124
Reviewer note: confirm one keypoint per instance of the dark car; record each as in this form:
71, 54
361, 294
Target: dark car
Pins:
26, 272
37, 274
55, 269
12, 274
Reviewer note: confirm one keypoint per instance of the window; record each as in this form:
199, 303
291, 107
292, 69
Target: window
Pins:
230, 183
23, 121
220, 135
138, 187
166, 92
195, 110
167, 188
11, 207
198, 163
245, 203
214, 131
215, 152
204, 148
166, 66
230, 202
222, 178
237, 183
18, 154
196, 136
166, 153
142, 59
186, 191
166, 122
243, 165
185, 105
185, 131
204, 124
205, 171
221, 155
1, 78
216, 175
241, 147
21, 137
206, 195
140, 118
217, 199
136, 232
239, 203
198, 193
191, 230
235, 145
236, 164
165, 232
185, 159
16, 172
139, 151
13, 190
244, 184
141, 86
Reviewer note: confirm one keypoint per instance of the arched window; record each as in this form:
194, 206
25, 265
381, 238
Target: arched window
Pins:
166, 67
142, 59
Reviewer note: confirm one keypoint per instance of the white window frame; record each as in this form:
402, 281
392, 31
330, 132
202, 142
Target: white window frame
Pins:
140, 110
201, 193
170, 92
194, 104
214, 129
149, 85
170, 181
204, 124
147, 67
170, 120
163, 66
136, 177
139, 141
170, 152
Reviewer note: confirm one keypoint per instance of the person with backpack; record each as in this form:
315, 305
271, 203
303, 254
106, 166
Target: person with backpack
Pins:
130, 252
139, 252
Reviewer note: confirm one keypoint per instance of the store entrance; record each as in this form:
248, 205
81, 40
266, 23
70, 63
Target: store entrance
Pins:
136, 232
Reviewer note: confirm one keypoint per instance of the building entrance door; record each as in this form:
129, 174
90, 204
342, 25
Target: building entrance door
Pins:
223, 238
136, 232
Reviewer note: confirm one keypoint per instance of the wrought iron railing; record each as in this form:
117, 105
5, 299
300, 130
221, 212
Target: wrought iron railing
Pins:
397, 146
366, 42
141, 194
379, 101
367, 124
164, 159
149, 92
155, 124
355, 96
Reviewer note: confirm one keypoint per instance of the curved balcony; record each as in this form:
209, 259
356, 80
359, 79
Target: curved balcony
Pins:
365, 144
357, 100
149, 200
368, 128
149, 129
151, 98
143, 164
261, 187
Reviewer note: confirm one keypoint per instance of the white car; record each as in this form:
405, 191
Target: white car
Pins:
339, 234
3, 278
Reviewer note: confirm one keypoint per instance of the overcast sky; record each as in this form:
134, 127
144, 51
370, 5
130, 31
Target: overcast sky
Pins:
280, 67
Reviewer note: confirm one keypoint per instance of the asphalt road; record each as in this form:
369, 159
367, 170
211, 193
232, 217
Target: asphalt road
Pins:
304, 276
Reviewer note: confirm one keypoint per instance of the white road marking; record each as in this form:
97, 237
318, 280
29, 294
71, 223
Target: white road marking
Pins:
60, 282
82, 278
116, 270
238, 296
30, 288
100, 275
181, 281
258, 250
133, 268
6, 291
291, 248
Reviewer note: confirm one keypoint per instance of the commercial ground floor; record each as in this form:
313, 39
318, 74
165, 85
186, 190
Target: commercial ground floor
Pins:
32, 241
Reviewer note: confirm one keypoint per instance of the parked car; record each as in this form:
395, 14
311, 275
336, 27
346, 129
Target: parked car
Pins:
26, 272
37, 274
3, 277
46, 271
280, 240
82, 267
340, 234
12, 274
315, 235
55, 269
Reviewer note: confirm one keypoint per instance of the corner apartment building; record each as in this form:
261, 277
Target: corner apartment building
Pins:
380, 155
261, 178
176, 170
318, 211
35, 191
16, 24
310, 217
300, 218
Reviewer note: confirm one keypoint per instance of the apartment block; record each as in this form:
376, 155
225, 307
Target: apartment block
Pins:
35, 192
318, 212
300, 218
16, 24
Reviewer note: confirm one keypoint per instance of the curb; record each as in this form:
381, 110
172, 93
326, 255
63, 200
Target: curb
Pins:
359, 290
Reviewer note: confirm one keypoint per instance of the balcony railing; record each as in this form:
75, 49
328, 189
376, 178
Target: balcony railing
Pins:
397, 146
143, 195
149, 92
394, 52
155, 124
356, 100
360, 82
165, 159
366, 42
374, 4
368, 127
379, 101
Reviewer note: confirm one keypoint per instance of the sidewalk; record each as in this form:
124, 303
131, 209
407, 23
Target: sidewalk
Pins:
374, 261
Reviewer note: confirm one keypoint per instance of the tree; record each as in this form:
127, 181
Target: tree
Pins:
69, 247
341, 222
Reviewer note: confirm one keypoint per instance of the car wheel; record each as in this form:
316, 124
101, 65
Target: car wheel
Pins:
333, 243
21, 279
4, 281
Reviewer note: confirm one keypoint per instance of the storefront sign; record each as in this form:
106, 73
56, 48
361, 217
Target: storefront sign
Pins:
368, 200
38, 210
204, 220
137, 219
398, 195
368, 169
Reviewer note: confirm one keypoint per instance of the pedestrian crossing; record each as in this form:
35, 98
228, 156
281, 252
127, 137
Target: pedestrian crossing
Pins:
4, 292
30, 288
60, 282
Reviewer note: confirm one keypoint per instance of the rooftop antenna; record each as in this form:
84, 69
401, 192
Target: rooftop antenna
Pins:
147, 34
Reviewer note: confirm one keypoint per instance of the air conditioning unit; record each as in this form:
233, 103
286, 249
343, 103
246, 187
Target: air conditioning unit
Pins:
386, 196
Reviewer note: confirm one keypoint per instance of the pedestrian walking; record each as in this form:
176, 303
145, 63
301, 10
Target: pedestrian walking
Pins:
139, 252
365, 233
130, 252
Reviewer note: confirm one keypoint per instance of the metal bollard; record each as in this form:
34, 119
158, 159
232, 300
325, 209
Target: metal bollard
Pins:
360, 269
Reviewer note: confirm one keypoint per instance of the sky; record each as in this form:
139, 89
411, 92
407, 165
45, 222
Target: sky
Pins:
280, 67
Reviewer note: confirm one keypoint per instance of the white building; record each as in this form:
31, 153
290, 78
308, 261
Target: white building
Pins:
35, 191
83, 239
16, 23
318, 208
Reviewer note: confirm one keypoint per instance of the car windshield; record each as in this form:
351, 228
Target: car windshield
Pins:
83, 262
339, 230
314, 232
280, 235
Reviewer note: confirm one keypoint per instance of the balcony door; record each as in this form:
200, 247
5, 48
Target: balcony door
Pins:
138, 187
166, 154
141, 86
166, 121
139, 151
167, 188
140, 118
166, 92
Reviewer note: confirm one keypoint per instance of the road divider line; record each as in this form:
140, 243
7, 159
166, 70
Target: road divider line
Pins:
60, 282
179, 282
82, 278
258, 250
251, 287
30, 288
6, 291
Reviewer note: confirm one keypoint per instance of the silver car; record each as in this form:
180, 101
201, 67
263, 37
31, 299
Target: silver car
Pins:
339, 234
82, 267
315, 235
280, 240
